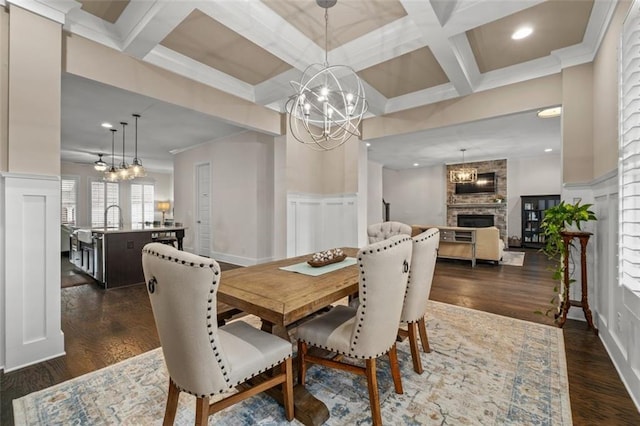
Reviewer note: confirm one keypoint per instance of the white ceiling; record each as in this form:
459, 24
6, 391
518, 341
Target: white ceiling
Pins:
279, 28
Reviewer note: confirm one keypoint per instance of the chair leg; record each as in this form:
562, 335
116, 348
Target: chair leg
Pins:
202, 411
302, 365
287, 388
372, 384
412, 327
395, 369
423, 335
172, 404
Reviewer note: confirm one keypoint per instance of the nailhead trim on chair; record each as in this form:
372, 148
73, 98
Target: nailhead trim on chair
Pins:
424, 238
364, 306
210, 326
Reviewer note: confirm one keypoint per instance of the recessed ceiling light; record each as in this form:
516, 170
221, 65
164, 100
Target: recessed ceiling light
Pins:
521, 33
368, 143
548, 150
550, 112
107, 125
415, 164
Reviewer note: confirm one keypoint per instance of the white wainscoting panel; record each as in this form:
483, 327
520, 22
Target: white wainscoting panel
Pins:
31, 269
316, 222
616, 310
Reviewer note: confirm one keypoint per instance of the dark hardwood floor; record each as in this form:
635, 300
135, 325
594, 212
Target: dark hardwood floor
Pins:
104, 327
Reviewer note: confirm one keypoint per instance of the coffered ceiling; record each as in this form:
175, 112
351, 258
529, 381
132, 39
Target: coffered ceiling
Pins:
408, 52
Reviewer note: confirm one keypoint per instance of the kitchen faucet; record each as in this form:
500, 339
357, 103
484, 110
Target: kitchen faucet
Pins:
121, 222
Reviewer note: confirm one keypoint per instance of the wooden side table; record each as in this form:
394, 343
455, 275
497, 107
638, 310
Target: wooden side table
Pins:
567, 238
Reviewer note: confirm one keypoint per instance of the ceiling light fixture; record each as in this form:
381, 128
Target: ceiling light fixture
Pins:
415, 164
522, 32
463, 174
136, 169
329, 102
548, 150
550, 112
107, 125
100, 165
112, 174
123, 170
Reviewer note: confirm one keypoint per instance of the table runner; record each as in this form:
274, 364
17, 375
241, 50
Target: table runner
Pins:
306, 269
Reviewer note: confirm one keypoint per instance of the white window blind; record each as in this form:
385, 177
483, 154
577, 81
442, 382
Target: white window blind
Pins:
142, 196
68, 197
103, 195
629, 162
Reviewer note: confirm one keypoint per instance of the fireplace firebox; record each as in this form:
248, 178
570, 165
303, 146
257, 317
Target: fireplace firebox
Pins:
475, 220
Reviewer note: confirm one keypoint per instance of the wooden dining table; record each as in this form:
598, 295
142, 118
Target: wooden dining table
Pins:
282, 298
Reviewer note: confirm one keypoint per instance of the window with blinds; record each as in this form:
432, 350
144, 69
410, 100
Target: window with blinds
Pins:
141, 203
68, 197
629, 162
103, 195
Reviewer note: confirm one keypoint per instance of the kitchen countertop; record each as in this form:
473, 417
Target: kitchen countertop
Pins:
136, 228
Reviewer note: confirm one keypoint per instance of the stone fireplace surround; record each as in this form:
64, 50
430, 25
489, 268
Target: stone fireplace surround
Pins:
480, 204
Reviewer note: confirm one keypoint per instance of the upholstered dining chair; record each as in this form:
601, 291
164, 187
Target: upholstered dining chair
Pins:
368, 331
382, 231
423, 263
203, 359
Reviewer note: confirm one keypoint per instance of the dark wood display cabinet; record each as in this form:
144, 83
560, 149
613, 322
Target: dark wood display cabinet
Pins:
533, 207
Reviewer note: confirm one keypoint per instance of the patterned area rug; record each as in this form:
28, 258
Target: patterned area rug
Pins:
483, 369
512, 258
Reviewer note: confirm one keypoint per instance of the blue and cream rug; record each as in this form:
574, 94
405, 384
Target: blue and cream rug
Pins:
483, 369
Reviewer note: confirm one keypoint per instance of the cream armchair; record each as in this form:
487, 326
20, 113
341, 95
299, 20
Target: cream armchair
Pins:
203, 359
489, 245
382, 231
368, 331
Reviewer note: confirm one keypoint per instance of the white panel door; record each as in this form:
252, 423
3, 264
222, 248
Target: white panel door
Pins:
203, 209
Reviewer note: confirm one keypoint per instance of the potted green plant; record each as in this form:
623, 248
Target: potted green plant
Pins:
557, 219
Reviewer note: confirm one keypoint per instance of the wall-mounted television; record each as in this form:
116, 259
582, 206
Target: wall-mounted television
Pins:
486, 183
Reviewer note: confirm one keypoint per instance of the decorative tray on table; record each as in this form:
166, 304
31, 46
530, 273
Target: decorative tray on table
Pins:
327, 257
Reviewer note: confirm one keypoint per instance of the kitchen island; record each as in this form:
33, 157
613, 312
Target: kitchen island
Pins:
113, 256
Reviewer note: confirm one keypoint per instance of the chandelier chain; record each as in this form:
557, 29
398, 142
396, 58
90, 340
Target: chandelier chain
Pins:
326, 37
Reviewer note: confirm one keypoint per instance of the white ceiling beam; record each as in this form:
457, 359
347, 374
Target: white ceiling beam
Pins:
258, 23
518, 73
194, 70
143, 28
421, 97
427, 20
462, 50
392, 40
93, 28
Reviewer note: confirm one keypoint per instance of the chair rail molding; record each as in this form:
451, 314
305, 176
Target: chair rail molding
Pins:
31, 270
